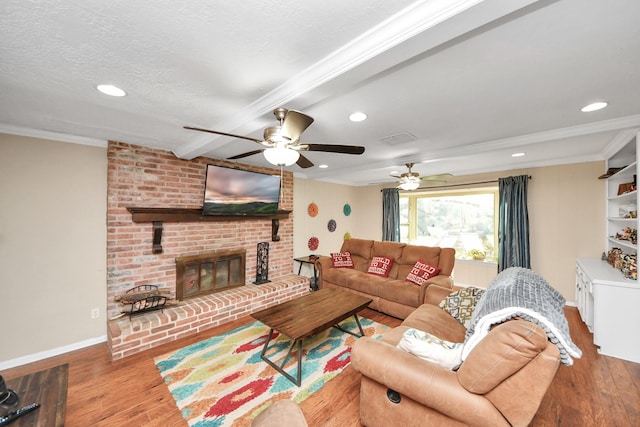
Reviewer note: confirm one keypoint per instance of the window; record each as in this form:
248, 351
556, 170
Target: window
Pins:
466, 220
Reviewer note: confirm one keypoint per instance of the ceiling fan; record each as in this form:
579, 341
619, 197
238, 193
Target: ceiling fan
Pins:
411, 180
283, 141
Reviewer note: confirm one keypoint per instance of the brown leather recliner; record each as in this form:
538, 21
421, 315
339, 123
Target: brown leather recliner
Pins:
501, 382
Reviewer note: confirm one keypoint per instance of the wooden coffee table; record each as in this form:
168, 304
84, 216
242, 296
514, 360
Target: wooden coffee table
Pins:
304, 317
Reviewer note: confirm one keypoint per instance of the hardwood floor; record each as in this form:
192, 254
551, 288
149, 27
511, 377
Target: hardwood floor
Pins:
596, 391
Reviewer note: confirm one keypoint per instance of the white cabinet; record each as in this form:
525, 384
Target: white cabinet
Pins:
609, 306
584, 297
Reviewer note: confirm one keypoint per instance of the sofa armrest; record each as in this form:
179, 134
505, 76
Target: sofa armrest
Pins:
434, 293
322, 263
441, 280
424, 382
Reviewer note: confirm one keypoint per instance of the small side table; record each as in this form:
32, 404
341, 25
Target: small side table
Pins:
311, 260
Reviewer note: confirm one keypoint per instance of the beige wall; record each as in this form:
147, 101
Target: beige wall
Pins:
52, 246
567, 220
365, 220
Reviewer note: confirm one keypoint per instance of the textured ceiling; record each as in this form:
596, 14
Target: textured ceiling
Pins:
470, 81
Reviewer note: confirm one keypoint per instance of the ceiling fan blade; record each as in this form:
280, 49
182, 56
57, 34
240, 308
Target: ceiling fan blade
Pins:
303, 162
294, 124
440, 177
243, 155
331, 148
223, 133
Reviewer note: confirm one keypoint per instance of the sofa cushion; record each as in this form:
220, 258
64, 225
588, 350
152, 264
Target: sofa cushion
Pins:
421, 272
360, 250
400, 291
339, 276
365, 283
342, 260
461, 303
391, 250
380, 266
443, 258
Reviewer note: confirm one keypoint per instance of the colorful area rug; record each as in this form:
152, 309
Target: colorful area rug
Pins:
222, 381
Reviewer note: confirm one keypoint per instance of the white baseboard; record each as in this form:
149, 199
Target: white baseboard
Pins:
23, 360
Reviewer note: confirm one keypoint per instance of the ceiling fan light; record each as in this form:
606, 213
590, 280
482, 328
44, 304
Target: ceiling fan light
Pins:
409, 185
281, 156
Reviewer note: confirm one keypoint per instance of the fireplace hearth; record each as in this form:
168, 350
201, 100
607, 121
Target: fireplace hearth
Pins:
203, 274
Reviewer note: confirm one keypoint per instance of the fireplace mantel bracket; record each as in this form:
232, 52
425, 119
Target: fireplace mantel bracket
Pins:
159, 215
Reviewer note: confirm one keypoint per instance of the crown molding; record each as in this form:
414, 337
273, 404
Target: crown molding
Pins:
53, 136
620, 140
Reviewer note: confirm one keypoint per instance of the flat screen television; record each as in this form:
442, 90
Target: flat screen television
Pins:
230, 191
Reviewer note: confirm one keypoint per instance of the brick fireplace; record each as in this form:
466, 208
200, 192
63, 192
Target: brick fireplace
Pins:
150, 178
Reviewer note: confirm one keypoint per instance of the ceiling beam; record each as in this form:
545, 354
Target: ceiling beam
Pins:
420, 18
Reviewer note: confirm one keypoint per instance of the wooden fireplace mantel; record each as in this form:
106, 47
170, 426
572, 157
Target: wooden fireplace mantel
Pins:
159, 215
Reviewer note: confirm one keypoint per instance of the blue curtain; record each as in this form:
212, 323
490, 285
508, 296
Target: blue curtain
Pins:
391, 214
513, 223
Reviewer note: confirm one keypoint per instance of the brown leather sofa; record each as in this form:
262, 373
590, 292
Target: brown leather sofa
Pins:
500, 383
392, 295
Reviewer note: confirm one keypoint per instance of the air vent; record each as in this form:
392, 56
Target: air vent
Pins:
398, 138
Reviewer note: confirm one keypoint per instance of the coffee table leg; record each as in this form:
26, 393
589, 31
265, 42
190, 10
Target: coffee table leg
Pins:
296, 381
355, 316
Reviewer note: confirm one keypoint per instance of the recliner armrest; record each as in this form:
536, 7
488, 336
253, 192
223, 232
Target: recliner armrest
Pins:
424, 382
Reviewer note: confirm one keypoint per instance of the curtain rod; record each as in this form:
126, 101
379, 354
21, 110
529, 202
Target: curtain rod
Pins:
457, 185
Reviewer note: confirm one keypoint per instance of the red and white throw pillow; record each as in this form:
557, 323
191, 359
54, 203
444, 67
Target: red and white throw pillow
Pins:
421, 272
380, 266
342, 260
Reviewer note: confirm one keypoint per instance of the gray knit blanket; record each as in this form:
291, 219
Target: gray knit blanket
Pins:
519, 292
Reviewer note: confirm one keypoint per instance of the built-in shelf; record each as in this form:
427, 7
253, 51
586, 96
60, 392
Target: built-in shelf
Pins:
158, 216
626, 197
626, 172
625, 243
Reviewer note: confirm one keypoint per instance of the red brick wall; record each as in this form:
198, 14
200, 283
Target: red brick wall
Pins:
144, 177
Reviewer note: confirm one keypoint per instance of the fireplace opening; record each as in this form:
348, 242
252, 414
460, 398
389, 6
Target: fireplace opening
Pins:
203, 274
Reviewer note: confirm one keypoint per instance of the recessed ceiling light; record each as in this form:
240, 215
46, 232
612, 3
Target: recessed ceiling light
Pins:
111, 90
517, 154
594, 107
358, 116
323, 166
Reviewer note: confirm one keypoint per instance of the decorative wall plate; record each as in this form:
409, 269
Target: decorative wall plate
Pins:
312, 209
332, 225
313, 243
346, 209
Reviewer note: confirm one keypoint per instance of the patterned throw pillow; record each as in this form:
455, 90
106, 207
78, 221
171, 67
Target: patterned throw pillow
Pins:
421, 272
460, 304
342, 260
380, 266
